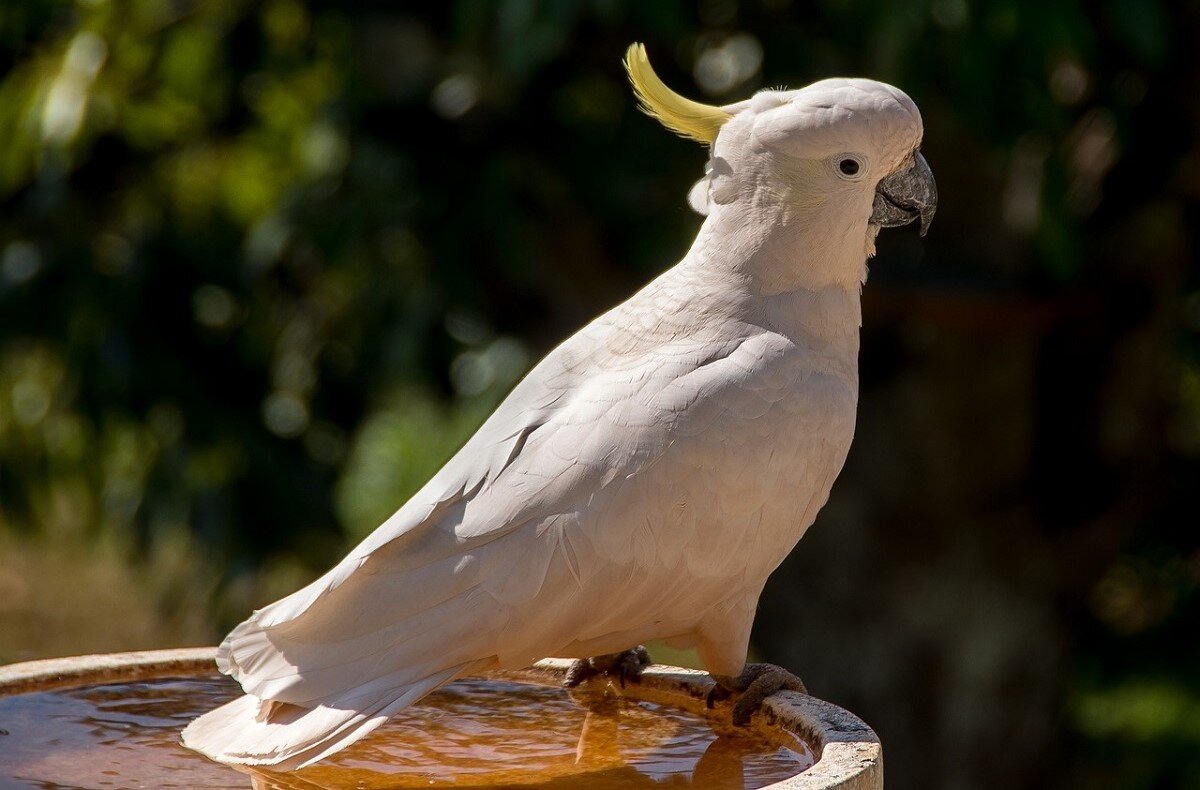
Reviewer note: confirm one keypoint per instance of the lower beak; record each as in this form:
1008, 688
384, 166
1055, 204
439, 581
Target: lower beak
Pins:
906, 195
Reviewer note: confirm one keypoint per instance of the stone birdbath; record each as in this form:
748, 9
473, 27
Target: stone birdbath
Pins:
113, 721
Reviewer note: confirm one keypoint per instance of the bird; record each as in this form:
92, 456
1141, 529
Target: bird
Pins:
644, 479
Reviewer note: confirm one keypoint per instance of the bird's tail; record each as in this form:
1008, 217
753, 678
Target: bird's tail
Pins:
252, 731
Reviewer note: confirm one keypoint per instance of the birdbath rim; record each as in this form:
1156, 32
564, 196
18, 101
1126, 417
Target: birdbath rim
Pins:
848, 753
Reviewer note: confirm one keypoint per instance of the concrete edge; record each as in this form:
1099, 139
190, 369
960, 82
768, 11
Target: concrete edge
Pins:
52, 673
849, 755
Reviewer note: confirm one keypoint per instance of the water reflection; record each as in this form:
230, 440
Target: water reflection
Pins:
471, 734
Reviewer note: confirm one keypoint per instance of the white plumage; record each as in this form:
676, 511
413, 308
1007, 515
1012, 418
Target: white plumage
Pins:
640, 483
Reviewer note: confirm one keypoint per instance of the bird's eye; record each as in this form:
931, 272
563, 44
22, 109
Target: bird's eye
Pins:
849, 167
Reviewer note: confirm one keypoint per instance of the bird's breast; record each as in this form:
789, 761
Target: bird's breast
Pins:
755, 442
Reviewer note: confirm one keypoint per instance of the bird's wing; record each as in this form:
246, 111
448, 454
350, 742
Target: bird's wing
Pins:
517, 547
438, 583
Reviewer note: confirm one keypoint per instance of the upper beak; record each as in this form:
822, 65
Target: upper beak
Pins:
906, 195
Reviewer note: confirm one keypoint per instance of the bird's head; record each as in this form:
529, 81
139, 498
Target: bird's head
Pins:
839, 157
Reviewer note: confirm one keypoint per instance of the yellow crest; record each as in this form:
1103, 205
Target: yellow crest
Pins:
685, 117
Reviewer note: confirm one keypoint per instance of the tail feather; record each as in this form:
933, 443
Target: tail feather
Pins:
251, 731
288, 665
328, 664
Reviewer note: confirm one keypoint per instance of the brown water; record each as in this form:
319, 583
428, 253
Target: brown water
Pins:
472, 733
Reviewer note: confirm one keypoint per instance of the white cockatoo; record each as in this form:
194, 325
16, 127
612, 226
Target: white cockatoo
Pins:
646, 477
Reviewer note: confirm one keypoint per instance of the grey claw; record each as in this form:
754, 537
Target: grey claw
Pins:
717, 693
631, 664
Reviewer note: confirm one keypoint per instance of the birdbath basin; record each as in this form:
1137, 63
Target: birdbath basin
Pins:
113, 721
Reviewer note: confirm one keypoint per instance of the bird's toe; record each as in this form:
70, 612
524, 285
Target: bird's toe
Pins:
626, 666
755, 684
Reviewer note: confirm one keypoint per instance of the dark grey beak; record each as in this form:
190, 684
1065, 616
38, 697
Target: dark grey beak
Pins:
906, 195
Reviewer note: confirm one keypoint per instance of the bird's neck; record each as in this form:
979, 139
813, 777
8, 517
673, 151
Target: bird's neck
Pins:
783, 283
799, 272
779, 246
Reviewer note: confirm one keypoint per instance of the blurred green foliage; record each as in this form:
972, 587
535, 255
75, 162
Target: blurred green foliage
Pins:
265, 265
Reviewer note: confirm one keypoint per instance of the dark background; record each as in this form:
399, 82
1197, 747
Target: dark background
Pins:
263, 266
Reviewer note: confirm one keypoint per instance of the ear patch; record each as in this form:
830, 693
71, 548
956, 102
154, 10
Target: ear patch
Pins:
685, 117
717, 187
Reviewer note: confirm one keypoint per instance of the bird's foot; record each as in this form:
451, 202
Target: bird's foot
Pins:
755, 684
624, 666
